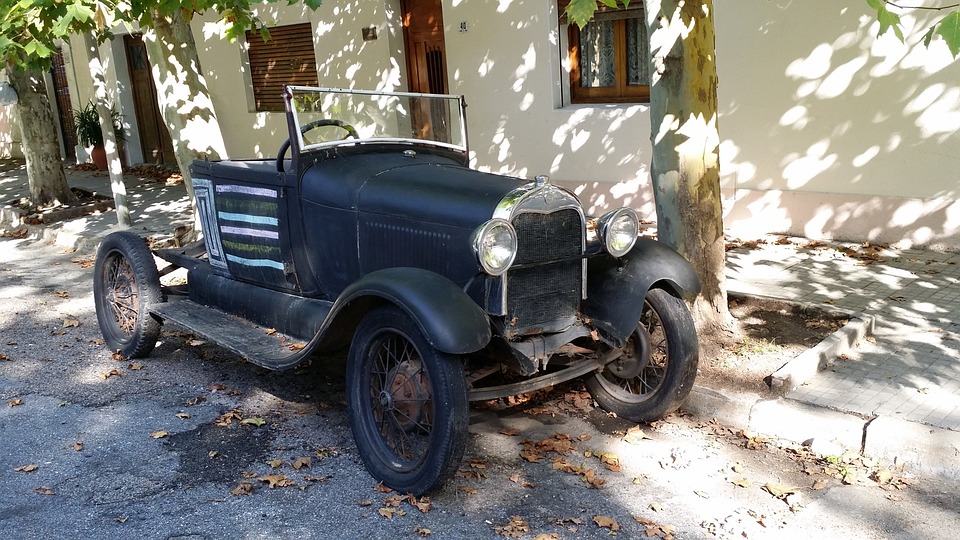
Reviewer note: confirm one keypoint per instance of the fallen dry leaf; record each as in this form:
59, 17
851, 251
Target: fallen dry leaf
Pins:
742, 482
182, 415
228, 417
274, 463
78, 446
302, 462
135, 367
394, 500
390, 512
468, 490
510, 432
605, 522
635, 435
515, 478
27, 468
15, 402
44, 490
254, 421
820, 484
243, 488
5, 358
365, 503
159, 434
515, 528
71, 323
422, 531
382, 488
276, 480
423, 504
778, 490
62, 294
111, 373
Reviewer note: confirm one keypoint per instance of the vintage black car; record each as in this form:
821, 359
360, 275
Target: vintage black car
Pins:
446, 284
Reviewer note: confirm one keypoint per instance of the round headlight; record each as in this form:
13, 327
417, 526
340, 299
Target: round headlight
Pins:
495, 243
619, 230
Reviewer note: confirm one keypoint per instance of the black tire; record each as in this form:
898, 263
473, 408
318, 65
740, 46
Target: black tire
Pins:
657, 373
407, 403
125, 283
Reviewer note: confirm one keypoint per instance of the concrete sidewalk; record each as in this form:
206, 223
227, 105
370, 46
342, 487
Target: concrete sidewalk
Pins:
157, 208
895, 395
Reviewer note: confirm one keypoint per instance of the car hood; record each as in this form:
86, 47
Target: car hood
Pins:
436, 193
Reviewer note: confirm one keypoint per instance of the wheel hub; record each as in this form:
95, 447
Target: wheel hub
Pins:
636, 356
406, 394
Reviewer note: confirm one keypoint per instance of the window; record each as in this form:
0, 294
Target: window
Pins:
609, 58
287, 58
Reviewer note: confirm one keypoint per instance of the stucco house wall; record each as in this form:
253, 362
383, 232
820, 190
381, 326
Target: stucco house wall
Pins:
826, 130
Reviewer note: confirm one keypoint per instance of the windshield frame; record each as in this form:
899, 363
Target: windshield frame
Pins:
454, 104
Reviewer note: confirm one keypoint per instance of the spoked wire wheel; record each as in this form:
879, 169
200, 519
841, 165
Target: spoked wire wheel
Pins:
658, 366
407, 403
125, 283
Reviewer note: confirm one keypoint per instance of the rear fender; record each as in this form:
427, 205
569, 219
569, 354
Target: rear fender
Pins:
449, 319
616, 287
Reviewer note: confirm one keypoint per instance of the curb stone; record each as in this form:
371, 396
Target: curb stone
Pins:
926, 449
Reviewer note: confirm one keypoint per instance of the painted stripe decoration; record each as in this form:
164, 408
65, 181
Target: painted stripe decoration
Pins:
255, 262
248, 218
243, 231
247, 190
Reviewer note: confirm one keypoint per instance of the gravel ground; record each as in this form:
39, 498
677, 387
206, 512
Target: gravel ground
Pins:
93, 447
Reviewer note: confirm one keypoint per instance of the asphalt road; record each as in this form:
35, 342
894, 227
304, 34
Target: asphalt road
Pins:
93, 447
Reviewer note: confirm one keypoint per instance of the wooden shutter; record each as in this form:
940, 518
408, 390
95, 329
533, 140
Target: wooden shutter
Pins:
286, 58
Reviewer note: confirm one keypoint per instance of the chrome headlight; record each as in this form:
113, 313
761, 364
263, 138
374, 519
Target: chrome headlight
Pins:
618, 231
495, 243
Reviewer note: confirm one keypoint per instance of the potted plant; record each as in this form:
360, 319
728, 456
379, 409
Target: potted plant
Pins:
86, 122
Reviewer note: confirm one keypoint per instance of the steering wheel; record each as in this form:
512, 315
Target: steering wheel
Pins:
351, 132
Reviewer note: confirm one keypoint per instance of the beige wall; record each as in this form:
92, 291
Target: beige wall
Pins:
826, 131
829, 132
343, 60
9, 130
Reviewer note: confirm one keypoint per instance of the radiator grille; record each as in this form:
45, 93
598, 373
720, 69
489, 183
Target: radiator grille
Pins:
545, 296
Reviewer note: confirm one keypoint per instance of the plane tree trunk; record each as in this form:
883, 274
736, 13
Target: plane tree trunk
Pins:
41, 146
685, 167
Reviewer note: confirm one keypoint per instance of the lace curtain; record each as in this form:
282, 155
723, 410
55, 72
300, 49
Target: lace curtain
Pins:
597, 53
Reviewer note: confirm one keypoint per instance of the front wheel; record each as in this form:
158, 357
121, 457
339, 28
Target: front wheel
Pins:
656, 372
407, 403
125, 283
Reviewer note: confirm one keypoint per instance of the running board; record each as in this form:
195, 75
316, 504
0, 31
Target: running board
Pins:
256, 344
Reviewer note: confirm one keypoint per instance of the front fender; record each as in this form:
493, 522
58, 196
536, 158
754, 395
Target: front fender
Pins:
449, 319
616, 287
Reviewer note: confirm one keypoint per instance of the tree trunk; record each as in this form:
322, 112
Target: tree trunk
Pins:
106, 127
685, 166
182, 92
41, 147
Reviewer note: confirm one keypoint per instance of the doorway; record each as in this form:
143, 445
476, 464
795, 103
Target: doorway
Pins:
154, 137
426, 65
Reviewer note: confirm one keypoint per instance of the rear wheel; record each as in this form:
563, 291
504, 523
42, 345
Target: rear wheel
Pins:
407, 403
659, 364
125, 283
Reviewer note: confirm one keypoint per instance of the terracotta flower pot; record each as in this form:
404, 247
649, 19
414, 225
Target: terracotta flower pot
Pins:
99, 156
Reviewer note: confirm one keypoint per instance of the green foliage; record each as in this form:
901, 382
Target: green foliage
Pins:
947, 28
580, 12
888, 20
31, 28
86, 121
